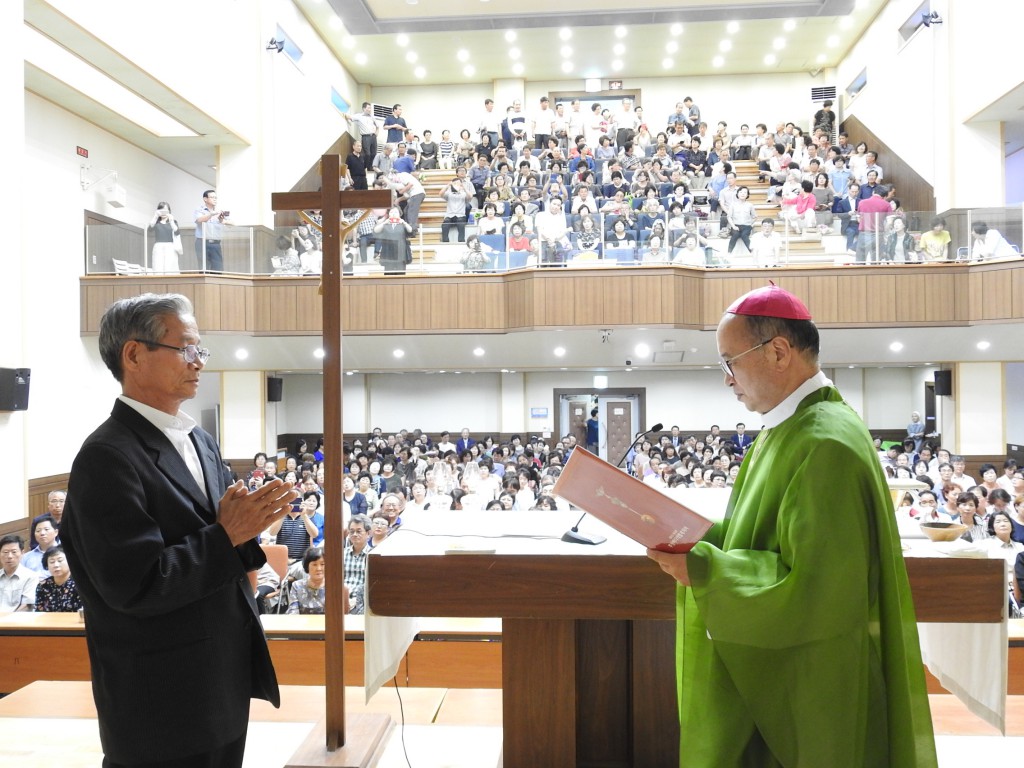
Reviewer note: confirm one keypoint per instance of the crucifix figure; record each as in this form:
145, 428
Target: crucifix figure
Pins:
327, 744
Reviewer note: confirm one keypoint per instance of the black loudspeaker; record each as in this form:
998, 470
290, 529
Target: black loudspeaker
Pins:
944, 383
275, 389
14, 388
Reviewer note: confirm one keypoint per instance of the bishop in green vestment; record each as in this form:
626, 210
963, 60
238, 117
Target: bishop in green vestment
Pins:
797, 643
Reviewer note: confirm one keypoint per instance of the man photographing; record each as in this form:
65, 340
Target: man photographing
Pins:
797, 640
160, 541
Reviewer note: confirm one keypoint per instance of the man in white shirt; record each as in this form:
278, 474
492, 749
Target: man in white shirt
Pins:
490, 122
541, 127
551, 231
626, 123
576, 121
411, 190
17, 583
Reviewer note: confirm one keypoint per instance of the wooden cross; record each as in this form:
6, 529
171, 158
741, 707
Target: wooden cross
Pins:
327, 744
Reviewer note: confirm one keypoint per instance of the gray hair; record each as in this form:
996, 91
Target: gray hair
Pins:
137, 317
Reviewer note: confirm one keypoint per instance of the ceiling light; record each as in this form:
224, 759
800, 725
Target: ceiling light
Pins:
411, 57
517, 68
832, 41
641, 350
241, 354
667, 63
718, 61
616, 65
565, 33
479, 351
732, 27
559, 351
469, 70
621, 32
567, 66
671, 46
514, 53
402, 40
420, 72
983, 345
566, 51
319, 353
896, 346
510, 36
618, 49
349, 373
676, 30
725, 46
399, 353
361, 58
334, 22
769, 60
56, 60
462, 55
779, 43
822, 58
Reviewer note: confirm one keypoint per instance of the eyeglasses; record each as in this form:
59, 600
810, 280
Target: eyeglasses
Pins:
190, 352
726, 365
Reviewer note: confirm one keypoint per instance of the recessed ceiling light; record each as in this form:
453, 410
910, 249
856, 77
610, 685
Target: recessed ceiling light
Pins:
789, 25
510, 36
479, 351
559, 351
832, 41
983, 345
718, 61
621, 31
732, 27
725, 46
518, 68
641, 350
565, 33
779, 43
671, 46
566, 51
334, 22
399, 353
243, 354
349, 373
618, 49
822, 58
896, 346
676, 30
462, 55
769, 60
514, 53
361, 58
567, 66
616, 64
420, 72
628, 370
402, 40
851, 366
469, 70
411, 57
667, 63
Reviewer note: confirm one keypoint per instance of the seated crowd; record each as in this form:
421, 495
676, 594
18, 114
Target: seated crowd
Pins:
559, 184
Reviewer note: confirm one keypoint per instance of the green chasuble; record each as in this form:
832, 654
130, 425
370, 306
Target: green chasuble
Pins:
797, 642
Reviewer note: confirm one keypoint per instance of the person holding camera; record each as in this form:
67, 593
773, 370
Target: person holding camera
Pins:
392, 242
455, 199
166, 240
209, 230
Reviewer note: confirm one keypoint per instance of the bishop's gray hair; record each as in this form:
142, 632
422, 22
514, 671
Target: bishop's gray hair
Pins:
137, 317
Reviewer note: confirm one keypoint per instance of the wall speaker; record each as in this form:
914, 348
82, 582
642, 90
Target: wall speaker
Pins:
14, 388
944, 383
275, 389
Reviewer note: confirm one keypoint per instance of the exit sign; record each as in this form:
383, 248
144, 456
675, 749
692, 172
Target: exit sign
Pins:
82, 151
615, 85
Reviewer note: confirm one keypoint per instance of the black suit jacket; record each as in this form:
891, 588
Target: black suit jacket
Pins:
175, 642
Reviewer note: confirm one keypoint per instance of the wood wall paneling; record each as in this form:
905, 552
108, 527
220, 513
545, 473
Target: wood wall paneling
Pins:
590, 307
309, 308
444, 305
416, 306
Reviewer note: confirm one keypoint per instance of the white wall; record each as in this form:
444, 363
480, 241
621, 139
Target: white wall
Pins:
980, 395
1014, 373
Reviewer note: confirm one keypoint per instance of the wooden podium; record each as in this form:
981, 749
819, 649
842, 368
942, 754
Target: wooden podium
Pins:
588, 633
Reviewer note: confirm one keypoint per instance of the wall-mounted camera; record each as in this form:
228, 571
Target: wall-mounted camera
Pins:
629, 362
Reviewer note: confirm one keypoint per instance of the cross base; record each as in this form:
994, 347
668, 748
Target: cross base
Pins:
366, 738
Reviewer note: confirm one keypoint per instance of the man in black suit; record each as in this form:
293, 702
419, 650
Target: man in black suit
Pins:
160, 541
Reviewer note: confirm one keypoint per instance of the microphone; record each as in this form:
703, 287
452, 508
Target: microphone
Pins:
573, 535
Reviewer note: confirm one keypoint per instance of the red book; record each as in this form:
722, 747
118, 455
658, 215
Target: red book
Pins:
635, 509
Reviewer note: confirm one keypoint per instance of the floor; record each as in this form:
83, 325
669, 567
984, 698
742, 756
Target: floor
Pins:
445, 728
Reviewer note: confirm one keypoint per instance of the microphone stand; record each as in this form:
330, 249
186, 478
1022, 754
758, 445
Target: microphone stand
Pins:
573, 535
